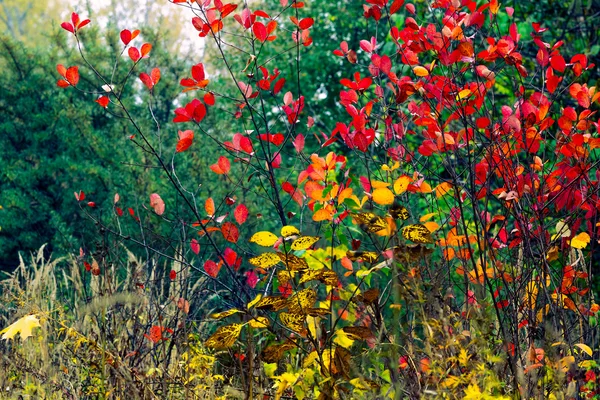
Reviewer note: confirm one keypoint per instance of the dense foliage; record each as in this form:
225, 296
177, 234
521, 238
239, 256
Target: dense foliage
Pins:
410, 210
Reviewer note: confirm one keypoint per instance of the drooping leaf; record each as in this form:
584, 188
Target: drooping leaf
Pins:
302, 301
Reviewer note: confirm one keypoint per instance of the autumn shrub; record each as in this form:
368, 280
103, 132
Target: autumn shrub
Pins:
437, 241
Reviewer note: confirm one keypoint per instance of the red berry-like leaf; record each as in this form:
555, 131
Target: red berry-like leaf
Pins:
172, 275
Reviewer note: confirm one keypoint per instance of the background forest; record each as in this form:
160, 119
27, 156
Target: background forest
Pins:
123, 310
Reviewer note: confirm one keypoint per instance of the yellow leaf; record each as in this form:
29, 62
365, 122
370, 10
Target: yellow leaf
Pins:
401, 184
264, 238
293, 321
274, 303
432, 226
426, 217
256, 300
580, 241
472, 392
225, 313
463, 93
304, 242
562, 230
24, 326
417, 233
343, 339
383, 196
420, 71
323, 214
265, 260
585, 348
259, 322
388, 168
398, 211
379, 184
566, 362
289, 230
224, 337
442, 189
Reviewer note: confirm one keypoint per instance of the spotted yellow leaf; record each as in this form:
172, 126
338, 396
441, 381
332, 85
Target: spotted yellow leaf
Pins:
417, 233
302, 300
292, 262
253, 302
368, 256
273, 353
265, 260
224, 314
317, 312
311, 275
284, 276
224, 337
329, 278
304, 242
274, 303
289, 230
264, 238
293, 321
383, 196
398, 211
259, 322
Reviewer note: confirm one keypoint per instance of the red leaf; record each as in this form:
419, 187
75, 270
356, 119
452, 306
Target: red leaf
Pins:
62, 83
558, 63
146, 47
306, 23
230, 232
299, 143
126, 36
103, 101
134, 54
209, 99
212, 268
172, 275
72, 75
260, 31
195, 246
155, 75
79, 196
157, 204
251, 279
224, 164
68, 27
230, 256
198, 72
146, 80
241, 214
185, 140
396, 6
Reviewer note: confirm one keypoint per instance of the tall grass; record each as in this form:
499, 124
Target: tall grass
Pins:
96, 337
